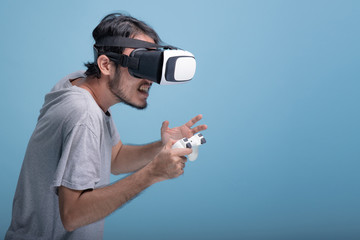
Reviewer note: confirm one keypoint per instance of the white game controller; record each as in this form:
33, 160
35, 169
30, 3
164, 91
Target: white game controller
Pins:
194, 142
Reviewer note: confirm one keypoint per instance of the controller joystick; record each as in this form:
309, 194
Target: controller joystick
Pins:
194, 142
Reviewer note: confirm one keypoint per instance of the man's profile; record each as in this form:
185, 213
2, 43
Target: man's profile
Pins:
64, 189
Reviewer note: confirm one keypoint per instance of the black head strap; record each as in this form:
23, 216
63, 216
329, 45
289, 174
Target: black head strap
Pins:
117, 41
123, 60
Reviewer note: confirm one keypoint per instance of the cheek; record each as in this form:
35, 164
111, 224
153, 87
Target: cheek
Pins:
128, 82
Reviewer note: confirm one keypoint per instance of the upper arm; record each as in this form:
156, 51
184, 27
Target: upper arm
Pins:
67, 199
114, 153
68, 196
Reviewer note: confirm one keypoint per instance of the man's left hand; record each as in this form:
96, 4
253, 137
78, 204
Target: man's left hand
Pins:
185, 130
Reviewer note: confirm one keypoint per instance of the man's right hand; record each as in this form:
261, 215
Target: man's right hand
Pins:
169, 163
74, 205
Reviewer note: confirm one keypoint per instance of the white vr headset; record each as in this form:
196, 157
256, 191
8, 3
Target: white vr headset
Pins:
164, 65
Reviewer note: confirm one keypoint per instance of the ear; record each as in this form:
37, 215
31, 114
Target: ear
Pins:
104, 65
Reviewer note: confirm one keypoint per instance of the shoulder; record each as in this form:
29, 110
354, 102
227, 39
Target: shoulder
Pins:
70, 107
81, 106
65, 83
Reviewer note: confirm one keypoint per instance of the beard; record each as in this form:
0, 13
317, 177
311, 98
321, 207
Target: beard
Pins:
119, 93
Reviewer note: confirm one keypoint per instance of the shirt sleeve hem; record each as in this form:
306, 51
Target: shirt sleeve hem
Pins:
72, 186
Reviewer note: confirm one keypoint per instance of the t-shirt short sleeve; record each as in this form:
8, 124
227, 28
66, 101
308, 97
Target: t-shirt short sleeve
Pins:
115, 137
79, 164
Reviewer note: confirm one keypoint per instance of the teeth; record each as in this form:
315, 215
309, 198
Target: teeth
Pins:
144, 88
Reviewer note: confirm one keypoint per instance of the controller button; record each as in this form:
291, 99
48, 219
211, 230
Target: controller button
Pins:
185, 139
188, 145
200, 135
203, 141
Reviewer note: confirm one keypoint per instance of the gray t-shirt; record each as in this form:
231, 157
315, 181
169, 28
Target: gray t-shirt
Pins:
71, 146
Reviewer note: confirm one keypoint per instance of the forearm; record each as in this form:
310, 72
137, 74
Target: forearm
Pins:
95, 205
79, 208
131, 158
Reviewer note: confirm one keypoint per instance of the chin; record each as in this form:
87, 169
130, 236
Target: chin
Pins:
137, 106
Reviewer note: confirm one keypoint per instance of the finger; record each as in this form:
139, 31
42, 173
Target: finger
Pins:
182, 165
193, 121
164, 126
170, 143
183, 159
181, 151
199, 128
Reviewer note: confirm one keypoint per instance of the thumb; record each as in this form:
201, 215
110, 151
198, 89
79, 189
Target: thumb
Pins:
170, 143
164, 126
182, 151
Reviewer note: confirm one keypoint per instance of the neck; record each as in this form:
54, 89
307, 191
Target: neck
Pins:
98, 90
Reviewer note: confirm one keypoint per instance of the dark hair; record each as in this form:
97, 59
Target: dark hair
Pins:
117, 24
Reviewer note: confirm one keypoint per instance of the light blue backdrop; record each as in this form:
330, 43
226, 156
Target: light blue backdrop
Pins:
278, 84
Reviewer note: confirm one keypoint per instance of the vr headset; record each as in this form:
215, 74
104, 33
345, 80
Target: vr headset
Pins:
164, 65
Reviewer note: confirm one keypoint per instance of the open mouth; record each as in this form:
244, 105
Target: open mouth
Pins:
144, 88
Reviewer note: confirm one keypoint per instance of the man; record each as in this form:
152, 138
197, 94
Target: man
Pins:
63, 190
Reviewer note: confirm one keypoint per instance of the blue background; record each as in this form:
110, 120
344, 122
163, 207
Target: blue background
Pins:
278, 84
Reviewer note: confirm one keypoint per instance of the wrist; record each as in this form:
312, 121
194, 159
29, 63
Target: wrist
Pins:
150, 174
161, 143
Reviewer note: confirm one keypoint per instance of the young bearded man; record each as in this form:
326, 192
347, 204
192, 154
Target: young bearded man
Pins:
63, 190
